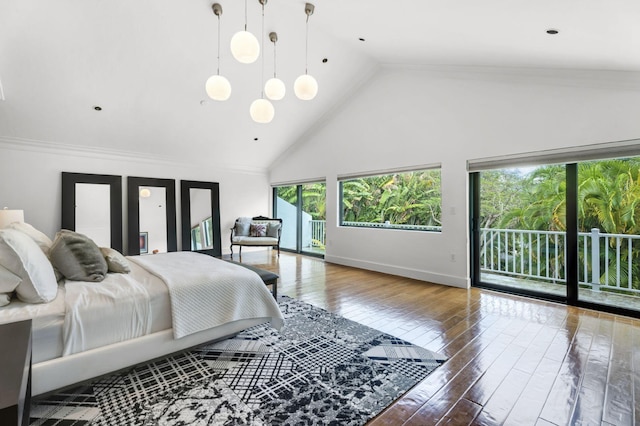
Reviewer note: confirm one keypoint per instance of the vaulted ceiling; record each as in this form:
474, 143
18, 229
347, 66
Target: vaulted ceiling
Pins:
145, 62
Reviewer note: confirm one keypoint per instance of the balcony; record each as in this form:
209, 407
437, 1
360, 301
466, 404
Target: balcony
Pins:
534, 260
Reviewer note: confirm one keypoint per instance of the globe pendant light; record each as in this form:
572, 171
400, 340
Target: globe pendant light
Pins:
261, 110
305, 86
218, 88
244, 45
274, 88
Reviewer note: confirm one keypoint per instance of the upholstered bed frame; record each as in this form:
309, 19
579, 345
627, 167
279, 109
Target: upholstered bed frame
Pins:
62, 372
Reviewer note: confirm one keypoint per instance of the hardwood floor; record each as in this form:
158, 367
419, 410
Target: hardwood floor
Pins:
512, 360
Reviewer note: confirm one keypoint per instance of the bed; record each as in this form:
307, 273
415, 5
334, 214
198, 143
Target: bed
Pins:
165, 303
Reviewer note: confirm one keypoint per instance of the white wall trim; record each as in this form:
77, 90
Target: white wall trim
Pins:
57, 148
417, 274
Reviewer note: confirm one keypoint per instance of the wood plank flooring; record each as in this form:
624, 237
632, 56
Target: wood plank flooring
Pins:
512, 360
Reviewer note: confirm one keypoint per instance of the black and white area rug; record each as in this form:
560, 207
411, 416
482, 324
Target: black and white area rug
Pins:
320, 369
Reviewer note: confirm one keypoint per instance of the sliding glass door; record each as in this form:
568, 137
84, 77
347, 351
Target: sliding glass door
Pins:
285, 207
568, 232
522, 227
609, 232
302, 209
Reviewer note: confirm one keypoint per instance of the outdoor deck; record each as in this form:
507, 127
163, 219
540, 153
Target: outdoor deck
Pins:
588, 295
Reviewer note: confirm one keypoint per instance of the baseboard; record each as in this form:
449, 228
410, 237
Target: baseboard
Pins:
417, 274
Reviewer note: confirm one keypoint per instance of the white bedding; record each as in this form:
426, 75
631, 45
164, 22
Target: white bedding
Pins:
89, 315
122, 307
206, 292
47, 324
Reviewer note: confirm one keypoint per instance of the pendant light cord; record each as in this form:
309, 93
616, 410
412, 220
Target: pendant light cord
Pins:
306, 48
262, 56
218, 44
245, 15
274, 60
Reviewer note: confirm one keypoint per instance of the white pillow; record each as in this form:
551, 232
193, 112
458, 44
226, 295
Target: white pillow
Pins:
5, 299
41, 239
116, 262
22, 256
8, 280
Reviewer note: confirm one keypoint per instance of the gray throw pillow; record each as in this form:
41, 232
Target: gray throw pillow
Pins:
77, 257
272, 229
242, 229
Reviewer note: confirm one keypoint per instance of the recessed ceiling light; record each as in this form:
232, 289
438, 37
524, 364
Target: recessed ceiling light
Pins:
97, 108
552, 31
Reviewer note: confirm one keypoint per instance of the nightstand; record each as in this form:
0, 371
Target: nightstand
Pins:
15, 374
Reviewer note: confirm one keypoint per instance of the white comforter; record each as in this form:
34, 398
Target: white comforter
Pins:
200, 292
114, 310
206, 292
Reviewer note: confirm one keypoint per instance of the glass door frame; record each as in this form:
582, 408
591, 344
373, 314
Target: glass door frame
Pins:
571, 254
298, 205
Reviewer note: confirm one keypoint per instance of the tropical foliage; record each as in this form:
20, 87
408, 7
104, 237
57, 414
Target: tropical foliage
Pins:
314, 198
412, 198
608, 200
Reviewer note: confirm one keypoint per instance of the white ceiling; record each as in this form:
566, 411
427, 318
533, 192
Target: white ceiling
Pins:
145, 63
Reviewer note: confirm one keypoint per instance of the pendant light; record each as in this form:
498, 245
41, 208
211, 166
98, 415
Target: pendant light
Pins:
305, 86
244, 45
218, 87
274, 88
261, 110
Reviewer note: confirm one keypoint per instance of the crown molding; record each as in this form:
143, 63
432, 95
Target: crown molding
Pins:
591, 78
67, 150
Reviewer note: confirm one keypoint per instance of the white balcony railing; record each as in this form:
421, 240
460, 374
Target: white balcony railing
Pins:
318, 233
539, 255
605, 260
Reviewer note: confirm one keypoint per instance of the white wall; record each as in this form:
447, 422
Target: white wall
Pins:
407, 117
30, 179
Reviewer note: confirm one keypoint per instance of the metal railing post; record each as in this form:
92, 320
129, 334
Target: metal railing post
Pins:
595, 259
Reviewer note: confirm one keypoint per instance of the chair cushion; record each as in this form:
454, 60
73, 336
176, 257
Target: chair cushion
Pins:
255, 241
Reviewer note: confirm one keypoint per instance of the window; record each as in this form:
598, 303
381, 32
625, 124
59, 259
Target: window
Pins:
402, 200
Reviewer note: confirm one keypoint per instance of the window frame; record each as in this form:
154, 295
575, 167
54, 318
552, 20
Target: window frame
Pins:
370, 225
